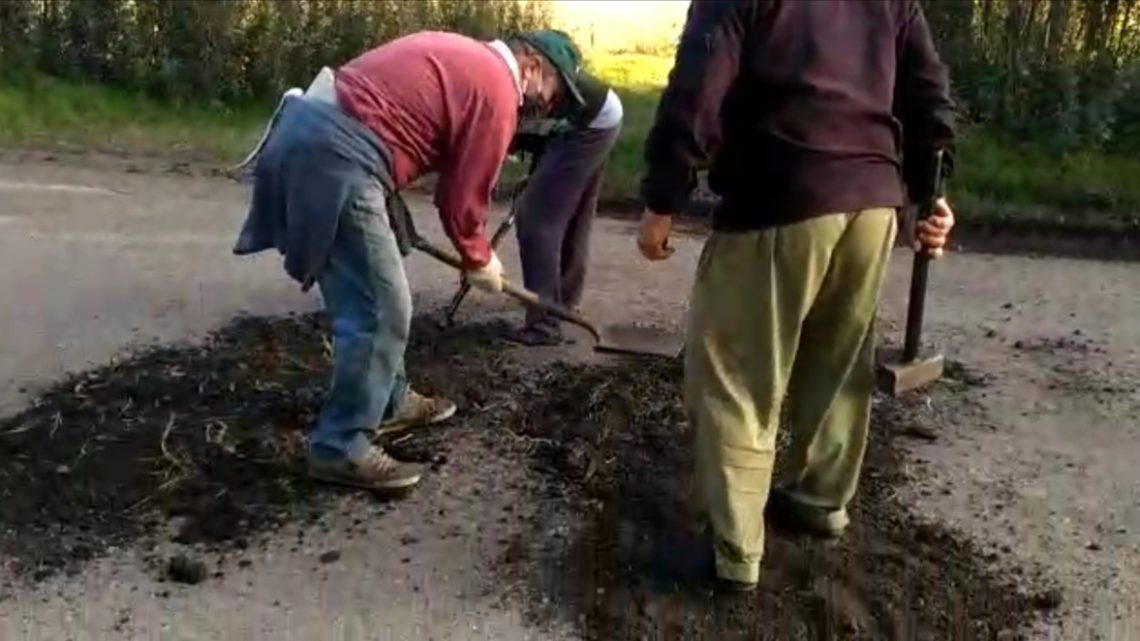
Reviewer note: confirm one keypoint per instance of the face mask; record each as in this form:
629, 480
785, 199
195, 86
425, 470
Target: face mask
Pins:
533, 104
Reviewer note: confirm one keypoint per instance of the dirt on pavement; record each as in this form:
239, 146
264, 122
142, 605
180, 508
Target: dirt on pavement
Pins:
640, 567
209, 436
203, 444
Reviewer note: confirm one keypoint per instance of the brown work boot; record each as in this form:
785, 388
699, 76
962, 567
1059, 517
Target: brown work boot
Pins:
417, 411
377, 470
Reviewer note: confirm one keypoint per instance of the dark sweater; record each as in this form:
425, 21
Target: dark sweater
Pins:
802, 108
594, 93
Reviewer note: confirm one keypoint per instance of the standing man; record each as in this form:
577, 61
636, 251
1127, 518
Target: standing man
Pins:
328, 181
558, 204
802, 109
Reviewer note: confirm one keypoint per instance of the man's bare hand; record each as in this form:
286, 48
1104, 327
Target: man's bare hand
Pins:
933, 232
653, 235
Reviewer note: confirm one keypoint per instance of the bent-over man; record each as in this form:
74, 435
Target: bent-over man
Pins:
557, 207
326, 190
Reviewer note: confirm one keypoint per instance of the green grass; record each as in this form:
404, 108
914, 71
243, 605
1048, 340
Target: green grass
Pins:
1004, 180
638, 80
38, 111
996, 180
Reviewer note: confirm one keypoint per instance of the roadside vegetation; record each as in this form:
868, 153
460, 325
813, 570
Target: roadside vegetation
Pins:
1047, 87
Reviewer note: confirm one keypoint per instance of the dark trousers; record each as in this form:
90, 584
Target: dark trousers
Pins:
555, 213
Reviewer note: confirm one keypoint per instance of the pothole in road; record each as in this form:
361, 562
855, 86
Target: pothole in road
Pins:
210, 436
617, 440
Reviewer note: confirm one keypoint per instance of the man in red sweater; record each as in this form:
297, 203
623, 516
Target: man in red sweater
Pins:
331, 171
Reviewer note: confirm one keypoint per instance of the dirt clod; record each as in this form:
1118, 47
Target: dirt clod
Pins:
920, 432
183, 569
1048, 600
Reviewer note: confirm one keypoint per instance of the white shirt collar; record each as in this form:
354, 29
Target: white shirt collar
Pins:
512, 63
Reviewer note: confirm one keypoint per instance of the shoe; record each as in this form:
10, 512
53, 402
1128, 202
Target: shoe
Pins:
787, 513
535, 336
376, 471
417, 411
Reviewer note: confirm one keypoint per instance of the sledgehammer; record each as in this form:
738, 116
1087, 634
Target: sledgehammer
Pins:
912, 371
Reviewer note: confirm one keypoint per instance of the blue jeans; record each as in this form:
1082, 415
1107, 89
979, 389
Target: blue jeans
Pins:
369, 304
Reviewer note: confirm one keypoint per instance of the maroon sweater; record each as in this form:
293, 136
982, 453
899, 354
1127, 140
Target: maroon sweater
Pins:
440, 102
801, 107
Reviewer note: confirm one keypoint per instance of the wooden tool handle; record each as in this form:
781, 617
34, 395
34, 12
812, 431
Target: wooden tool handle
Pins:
531, 299
916, 305
524, 296
465, 287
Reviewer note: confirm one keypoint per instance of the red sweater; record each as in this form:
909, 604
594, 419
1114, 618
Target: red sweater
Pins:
441, 102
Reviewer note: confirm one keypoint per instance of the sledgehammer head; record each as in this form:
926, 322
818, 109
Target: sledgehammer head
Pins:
895, 378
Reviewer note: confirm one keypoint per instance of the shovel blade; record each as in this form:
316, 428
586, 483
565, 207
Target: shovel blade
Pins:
630, 339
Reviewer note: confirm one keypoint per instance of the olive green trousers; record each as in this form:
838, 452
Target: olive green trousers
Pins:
787, 309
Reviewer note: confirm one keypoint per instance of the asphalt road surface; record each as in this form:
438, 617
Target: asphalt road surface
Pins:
95, 262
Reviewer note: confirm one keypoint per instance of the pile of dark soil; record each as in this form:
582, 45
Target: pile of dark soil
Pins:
209, 438
618, 437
